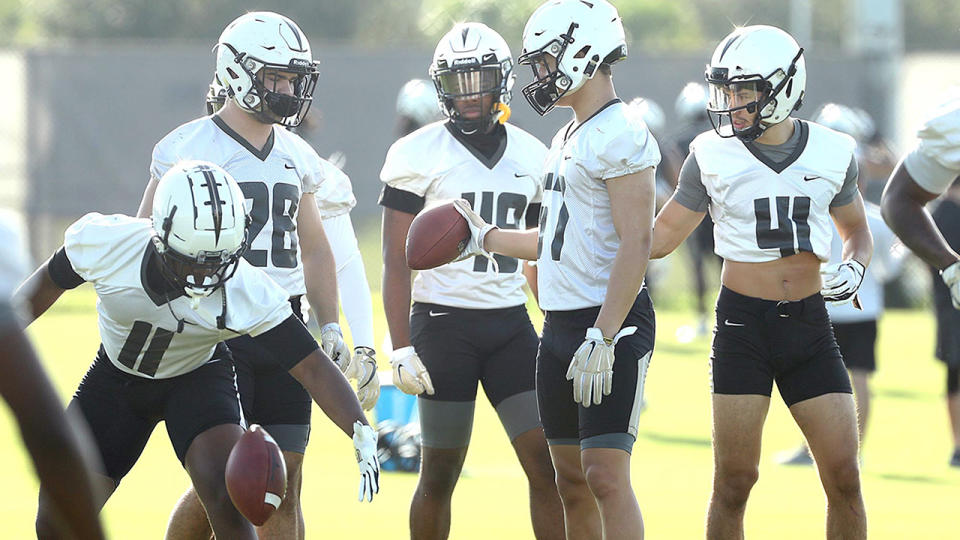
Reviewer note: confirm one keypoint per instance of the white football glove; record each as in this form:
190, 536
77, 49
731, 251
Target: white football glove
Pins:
331, 340
591, 369
951, 276
365, 444
478, 231
368, 384
409, 375
841, 281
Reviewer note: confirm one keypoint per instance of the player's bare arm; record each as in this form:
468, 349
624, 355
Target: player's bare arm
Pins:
39, 291
903, 208
396, 275
329, 389
851, 222
673, 225
632, 199
519, 244
319, 268
146, 203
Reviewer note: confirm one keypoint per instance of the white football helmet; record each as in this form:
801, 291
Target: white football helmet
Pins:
691, 103
762, 64
259, 41
216, 96
840, 118
418, 101
578, 36
200, 223
472, 61
652, 114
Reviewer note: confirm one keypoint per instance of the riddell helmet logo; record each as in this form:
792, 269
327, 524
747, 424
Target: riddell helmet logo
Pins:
465, 61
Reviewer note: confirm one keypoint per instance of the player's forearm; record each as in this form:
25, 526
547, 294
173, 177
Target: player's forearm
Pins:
914, 225
626, 277
858, 245
519, 244
330, 390
320, 279
39, 291
396, 303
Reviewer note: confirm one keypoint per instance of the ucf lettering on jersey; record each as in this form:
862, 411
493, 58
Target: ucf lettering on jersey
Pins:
578, 242
763, 211
141, 333
431, 163
272, 181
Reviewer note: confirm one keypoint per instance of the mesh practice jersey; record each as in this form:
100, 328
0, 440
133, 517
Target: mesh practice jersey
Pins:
934, 161
431, 163
140, 331
763, 211
578, 241
272, 181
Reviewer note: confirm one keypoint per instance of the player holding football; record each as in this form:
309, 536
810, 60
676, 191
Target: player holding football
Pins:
55, 449
771, 184
592, 250
469, 322
263, 60
170, 290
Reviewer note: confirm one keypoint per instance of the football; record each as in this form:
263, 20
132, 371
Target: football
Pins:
436, 237
256, 475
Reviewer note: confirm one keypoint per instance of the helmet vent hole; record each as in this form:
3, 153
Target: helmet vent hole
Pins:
232, 73
789, 88
582, 52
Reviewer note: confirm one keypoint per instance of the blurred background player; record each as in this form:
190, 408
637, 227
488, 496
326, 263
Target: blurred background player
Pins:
469, 321
264, 62
170, 291
416, 106
55, 447
691, 110
335, 200
947, 218
856, 329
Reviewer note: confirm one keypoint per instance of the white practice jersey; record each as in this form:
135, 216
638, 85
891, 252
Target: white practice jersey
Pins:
884, 266
139, 331
763, 211
432, 164
578, 242
934, 161
272, 181
335, 195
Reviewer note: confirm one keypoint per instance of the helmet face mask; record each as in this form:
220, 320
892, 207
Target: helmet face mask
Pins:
264, 64
472, 71
200, 225
216, 96
763, 61
549, 83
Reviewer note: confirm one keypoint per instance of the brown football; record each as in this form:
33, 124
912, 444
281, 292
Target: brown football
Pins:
436, 237
256, 475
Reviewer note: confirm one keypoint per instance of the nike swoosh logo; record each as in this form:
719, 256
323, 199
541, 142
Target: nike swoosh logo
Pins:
285, 166
809, 178
518, 175
438, 314
727, 322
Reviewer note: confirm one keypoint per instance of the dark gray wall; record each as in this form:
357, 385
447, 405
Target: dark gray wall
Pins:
96, 112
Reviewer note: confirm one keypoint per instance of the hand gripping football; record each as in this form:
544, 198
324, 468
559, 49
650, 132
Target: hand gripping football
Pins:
436, 237
256, 475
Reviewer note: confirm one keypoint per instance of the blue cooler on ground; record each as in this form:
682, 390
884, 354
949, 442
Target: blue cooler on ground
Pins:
398, 427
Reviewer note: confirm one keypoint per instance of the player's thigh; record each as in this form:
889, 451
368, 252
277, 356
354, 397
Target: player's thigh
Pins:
829, 423
737, 429
270, 396
740, 362
508, 373
119, 409
562, 334
809, 362
453, 359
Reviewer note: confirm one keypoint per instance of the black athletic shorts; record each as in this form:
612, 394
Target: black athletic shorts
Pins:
122, 409
758, 341
948, 335
563, 333
857, 342
461, 347
268, 393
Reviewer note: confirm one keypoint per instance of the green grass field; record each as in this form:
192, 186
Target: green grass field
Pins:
909, 489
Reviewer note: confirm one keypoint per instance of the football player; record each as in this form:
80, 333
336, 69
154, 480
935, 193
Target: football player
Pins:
772, 184
923, 174
65, 479
856, 328
170, 290
591, 250
335, 199
469, 322
263, 61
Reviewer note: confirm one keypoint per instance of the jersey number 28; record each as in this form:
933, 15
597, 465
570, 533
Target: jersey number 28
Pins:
282, 208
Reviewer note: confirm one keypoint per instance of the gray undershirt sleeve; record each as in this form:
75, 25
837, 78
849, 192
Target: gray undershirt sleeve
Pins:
848, 192
691, 192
